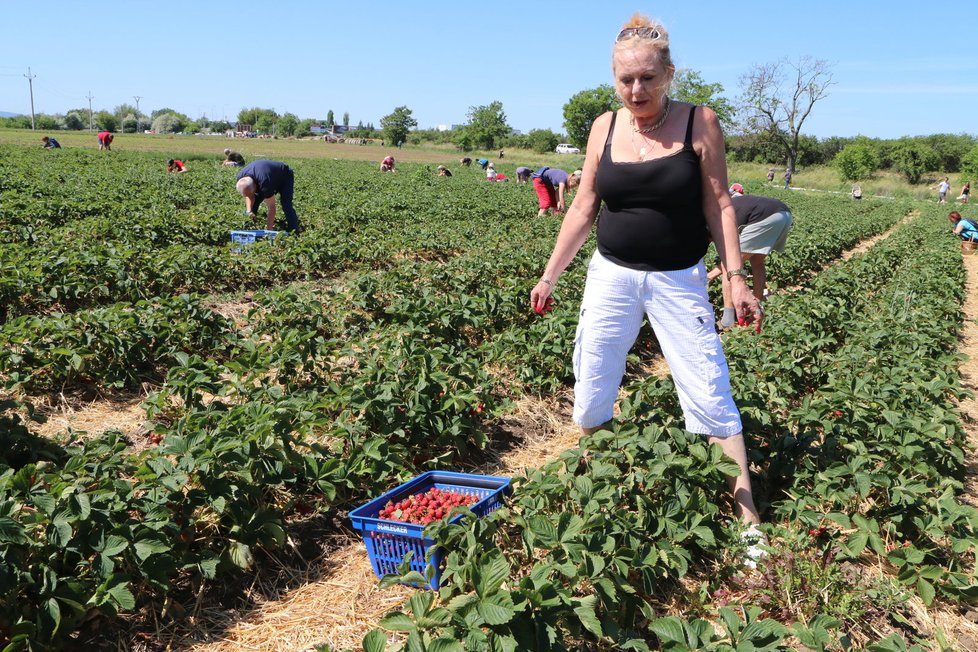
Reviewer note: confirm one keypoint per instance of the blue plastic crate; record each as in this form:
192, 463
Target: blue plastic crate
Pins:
251, 236
388, 541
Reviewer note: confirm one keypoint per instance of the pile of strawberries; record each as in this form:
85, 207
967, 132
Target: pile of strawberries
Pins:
427, 507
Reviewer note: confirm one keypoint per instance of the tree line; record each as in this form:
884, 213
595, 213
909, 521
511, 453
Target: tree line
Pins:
763, 124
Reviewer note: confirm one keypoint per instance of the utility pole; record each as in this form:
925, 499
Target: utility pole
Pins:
91, 122
137, 98
30, 82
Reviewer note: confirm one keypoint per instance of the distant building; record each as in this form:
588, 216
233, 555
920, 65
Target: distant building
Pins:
443, 128
318, 129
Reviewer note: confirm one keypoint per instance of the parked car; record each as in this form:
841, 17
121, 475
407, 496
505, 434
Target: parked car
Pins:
567, 148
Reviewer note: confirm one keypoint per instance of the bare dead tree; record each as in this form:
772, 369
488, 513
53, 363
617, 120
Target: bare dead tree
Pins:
778, 97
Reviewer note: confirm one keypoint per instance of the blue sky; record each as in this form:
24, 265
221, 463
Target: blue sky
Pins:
900, 67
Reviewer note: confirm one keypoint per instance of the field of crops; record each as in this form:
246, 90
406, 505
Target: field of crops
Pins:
299, 379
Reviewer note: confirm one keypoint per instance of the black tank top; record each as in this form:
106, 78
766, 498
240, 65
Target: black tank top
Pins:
652, 218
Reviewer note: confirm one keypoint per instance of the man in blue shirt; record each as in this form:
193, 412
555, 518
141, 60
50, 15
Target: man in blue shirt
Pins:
260, 181
50, 143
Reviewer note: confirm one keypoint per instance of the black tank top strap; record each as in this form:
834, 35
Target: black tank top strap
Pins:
611, 129
689, 128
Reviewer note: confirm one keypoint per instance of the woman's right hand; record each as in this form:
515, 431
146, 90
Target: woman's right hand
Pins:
540, 299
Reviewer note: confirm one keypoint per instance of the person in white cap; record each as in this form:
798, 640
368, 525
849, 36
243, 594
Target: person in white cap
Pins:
762, 225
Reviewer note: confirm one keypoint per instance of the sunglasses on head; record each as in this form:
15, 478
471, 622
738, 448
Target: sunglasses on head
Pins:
650, 33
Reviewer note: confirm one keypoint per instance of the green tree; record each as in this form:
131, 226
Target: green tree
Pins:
857, 161
779, 97
265, 124
304, 128
950, 149
397, 125
346, 119
583, 108
287, 125
912, 158
487, 125
689, 86
122, 111
255, 115
330, 120
105, 121
75, 121
158, 112
129, 124
969, 163
169, 123
543, 141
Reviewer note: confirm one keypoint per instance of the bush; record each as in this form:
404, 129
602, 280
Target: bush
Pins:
857, 161
969, 163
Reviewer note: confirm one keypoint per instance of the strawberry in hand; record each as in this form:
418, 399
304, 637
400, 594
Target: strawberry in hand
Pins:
547, 306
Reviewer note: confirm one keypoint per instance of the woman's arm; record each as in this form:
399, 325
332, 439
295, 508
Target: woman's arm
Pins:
719, 212
580, 218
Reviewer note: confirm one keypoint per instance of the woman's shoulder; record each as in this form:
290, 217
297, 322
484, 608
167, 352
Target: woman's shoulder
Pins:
603, 120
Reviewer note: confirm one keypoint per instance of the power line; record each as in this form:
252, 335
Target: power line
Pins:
137, 98
90, 121
30, 82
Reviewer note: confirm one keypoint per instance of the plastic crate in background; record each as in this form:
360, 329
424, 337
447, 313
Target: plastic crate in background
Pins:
251, 236
388, 541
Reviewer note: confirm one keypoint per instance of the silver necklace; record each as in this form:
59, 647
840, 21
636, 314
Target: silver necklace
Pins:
646, 131
658, 123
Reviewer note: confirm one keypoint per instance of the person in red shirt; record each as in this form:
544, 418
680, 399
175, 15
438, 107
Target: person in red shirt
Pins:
387, 165
175, 165
104, 140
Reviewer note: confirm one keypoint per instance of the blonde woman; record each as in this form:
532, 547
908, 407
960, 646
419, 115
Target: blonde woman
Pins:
657, 166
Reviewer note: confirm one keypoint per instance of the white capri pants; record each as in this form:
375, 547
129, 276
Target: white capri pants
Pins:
679, 309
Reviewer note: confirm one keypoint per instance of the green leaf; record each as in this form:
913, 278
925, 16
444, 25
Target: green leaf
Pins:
669, 630
437, 617
926, 591
240, 555
53, 610
493, 614
398, 622
114, 544
490, 574
208, 567
375, 641
12, 532
585, 611
122, 596
420, 603
445, 645
148, 547
544, 530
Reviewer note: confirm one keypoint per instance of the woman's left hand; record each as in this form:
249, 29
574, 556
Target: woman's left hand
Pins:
749, 310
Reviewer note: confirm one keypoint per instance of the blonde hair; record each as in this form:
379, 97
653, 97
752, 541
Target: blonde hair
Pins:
660, 45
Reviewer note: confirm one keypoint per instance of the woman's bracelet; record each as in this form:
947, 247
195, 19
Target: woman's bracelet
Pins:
548, 281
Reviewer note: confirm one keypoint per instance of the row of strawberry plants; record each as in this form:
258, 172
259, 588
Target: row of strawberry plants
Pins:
116, 346
169, 235
169, 232
288, 420
561, 595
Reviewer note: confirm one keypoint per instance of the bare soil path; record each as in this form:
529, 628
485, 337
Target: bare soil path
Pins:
961, 623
